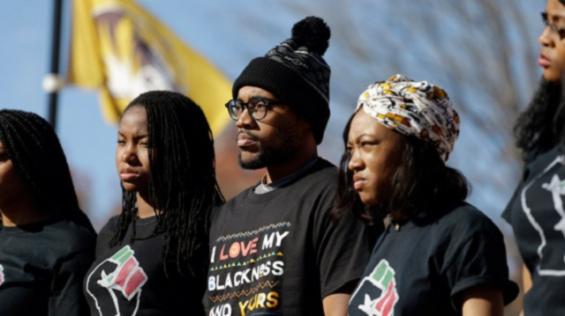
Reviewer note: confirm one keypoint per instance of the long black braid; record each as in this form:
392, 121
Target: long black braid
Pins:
40, 162
541, 126
182, 187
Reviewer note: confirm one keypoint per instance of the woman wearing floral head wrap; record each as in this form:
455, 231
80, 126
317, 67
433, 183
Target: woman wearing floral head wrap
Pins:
437, 255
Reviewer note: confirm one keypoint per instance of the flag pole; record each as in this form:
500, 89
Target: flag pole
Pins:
51, 82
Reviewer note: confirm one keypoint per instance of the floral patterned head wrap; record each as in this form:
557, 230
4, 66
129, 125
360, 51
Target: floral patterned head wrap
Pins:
413, 108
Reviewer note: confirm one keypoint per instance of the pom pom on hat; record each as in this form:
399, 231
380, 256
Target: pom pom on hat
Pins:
313, 33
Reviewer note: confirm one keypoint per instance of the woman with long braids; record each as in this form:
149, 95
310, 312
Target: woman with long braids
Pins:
536, 210
152, 258
438, 255
46, 241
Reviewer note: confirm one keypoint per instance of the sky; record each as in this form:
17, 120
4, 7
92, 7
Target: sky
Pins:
229, 33
87, 139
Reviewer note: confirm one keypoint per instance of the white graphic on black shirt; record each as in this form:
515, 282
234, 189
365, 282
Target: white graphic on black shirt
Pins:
2, 278
245, 271
121, 277
376, 294
556, 187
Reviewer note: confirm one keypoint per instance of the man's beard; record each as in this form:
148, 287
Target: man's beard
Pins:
267, 157
272, 156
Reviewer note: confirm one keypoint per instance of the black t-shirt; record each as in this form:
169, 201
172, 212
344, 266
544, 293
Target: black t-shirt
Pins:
42, 266
280, 253
420, 269
537, 216
129, 279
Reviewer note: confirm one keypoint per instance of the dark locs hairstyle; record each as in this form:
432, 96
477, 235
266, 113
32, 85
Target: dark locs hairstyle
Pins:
40, 162
422, 187
541, 126
182, 187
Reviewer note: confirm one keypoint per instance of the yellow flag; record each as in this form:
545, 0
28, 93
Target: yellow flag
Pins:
119, 48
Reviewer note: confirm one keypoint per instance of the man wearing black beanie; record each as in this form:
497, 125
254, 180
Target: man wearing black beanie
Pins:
275, 249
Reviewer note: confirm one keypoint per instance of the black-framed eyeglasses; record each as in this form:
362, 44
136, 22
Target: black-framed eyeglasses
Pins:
257, 107
555, 30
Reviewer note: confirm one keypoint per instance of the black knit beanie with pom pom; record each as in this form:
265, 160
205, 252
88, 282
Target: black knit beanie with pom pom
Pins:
296, 74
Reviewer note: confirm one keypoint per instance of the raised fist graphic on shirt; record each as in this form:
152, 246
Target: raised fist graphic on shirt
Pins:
121, 279
542, 202
376, 294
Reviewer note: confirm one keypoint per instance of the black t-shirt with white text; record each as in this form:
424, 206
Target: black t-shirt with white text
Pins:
537, 216
421, 269
128, 279
281, 252
42, 266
